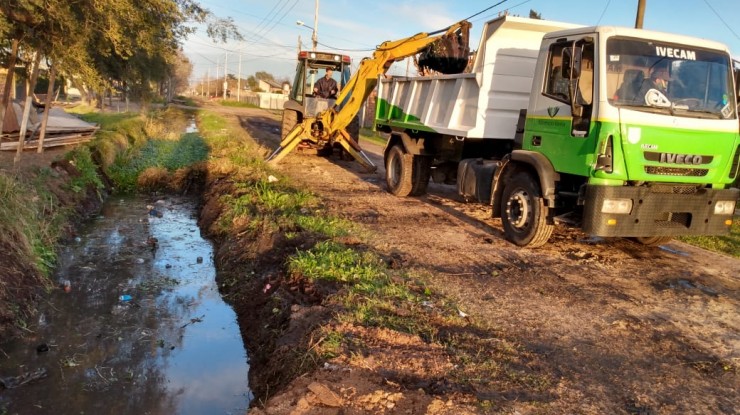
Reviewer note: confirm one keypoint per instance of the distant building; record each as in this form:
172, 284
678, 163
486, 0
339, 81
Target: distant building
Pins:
271, 86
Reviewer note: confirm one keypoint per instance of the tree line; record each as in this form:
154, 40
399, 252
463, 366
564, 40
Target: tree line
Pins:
101, 45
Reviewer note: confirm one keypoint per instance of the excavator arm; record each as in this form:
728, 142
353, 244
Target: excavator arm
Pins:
330, 125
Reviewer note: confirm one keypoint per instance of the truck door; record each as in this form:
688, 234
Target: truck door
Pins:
559, 123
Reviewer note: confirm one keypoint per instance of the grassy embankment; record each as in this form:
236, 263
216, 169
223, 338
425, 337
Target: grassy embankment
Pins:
40, 203
329, 252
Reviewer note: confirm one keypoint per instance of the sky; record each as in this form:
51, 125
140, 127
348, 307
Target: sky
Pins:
355, 27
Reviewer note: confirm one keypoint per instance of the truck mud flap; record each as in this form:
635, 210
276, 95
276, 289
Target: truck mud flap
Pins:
474, 179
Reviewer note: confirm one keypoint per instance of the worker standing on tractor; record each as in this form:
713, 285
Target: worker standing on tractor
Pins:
326, 87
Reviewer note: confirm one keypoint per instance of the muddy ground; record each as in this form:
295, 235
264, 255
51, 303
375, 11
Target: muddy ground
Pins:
579, 326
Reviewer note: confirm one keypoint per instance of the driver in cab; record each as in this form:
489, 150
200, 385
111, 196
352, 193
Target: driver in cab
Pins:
658, 80
326, 87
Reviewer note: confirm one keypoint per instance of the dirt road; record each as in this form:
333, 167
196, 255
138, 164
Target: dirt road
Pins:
603, 326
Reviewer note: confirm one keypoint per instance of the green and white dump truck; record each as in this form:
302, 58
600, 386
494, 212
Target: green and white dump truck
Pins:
558, 123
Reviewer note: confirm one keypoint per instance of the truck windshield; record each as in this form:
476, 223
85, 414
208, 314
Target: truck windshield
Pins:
686, 80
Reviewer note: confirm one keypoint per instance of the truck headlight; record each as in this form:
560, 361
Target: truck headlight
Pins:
623, 206
724, 207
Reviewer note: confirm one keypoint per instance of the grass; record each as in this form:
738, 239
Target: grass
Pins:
726, 244
29, 222
237, 104
371, 295
257, 202
186, 101
168, 155
368, 134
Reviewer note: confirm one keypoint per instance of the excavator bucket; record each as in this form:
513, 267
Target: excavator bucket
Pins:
449, 54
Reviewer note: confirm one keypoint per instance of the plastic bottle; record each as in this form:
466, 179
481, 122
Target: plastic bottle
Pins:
125, 297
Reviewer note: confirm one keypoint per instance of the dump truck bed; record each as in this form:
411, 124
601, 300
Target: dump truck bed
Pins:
481, 104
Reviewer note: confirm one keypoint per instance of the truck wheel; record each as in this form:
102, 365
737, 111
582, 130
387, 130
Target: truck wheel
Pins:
422, 169
652, 240
398, 171
523, 212
290, 119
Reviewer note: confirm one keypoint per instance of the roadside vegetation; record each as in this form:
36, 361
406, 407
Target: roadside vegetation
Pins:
236, 104
129, 152
726, 244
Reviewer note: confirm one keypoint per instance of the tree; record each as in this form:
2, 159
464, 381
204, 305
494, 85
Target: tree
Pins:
101, 43
264, 76
534, 15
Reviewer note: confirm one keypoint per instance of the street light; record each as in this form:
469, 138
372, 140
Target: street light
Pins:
314, 37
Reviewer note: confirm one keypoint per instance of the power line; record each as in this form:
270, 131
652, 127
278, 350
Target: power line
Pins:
259, 25
430, 33
487, 9
261, 34
603, 12
723, 20
486, 17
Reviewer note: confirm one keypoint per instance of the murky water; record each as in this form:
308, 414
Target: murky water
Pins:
174, 347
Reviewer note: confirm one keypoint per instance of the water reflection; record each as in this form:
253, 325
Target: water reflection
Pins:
174, 348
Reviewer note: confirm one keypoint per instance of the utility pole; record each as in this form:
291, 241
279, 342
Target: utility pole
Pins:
208, 85
239, 80
226, 73
315, 35
640, 13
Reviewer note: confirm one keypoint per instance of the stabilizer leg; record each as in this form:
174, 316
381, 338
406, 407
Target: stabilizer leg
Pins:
289, 143
351, 146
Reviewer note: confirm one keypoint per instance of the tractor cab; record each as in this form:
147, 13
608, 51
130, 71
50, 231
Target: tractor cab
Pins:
311, 67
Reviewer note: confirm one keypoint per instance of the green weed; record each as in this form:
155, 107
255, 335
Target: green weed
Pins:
371, 296
237, 104
327, 226
168, 154
367, 134
81, 158
728, 244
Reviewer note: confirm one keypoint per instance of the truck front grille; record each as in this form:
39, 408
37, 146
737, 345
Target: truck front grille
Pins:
674, 189
675, 171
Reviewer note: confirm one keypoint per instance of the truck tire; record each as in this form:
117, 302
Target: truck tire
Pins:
422, 169
290, 119
406, 174
523, 212
652, 240
398, 171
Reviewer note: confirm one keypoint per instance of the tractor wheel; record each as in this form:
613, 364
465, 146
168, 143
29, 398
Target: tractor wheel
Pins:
290, 119
523, 212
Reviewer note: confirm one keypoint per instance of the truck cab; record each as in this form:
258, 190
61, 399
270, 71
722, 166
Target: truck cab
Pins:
644, 122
